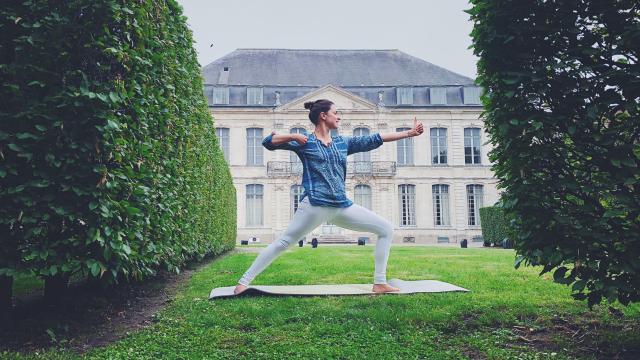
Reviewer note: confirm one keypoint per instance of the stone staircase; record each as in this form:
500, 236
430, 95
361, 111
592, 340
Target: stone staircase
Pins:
336, 239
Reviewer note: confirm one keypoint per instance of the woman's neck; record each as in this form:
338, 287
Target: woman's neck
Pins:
323, 133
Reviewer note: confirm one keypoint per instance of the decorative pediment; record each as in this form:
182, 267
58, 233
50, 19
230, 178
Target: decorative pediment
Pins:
344, 100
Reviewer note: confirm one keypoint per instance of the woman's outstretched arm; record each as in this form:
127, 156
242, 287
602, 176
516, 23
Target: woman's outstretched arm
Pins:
284, 141
417, 130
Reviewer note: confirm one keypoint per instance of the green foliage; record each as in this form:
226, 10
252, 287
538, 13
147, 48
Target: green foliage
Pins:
495, 225
108, 160
562, 112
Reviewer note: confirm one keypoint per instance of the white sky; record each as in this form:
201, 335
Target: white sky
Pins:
434, 30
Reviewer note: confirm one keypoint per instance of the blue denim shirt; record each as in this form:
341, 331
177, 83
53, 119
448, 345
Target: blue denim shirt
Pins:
324, 167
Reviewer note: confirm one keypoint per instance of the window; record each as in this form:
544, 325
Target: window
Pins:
438, 95
404, 95
472, 146
254, 96
407, 194
296, 192
471, 95
361, 160
254, 147
409, 239
443, 239
441, 205
221, 95
254, 204
474, 203
439, 146
405, 149
223, 137
296, 164
362, 196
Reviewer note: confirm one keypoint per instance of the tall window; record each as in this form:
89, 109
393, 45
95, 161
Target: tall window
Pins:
404, 95
254, 147
254, 96
296, 192
362, 196
221, 95
407, 194
474, 203
296, 164
472, 146
441, 205
223, 137
405, 149
361, 160
254, 204
438, 95
439, 146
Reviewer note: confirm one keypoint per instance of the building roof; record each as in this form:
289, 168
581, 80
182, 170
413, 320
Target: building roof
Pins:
315, 67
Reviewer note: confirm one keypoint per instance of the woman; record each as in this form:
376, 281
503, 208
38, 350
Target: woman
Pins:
324, 161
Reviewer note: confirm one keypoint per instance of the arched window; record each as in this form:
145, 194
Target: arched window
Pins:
296, 192
254, 207
474, 203
441, 205
362, 196
407, 205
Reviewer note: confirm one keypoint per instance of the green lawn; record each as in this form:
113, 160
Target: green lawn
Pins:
509, 314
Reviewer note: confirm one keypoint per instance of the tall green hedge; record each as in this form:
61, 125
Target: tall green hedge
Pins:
562, 109
108, 158
495, 225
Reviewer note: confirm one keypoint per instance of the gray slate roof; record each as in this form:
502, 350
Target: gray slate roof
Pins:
289, 67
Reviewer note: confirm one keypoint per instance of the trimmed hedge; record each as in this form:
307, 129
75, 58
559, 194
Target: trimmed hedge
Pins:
562, 110
495, 225
109, 163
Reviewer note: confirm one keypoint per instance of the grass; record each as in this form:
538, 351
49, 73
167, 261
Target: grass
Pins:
509, 314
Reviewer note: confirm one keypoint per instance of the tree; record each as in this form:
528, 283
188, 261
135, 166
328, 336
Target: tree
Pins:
561, 99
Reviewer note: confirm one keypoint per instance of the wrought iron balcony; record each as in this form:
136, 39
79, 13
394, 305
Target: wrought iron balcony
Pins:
354, 168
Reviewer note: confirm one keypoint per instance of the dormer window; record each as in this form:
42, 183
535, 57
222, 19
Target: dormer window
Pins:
471, 95
438, 95
405, 95
221, 96
254, 96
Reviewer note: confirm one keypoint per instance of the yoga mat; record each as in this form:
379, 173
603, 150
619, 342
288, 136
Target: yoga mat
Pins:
406, 287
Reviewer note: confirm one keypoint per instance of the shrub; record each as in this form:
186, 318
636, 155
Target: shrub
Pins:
495, 225
108, 160
562, 112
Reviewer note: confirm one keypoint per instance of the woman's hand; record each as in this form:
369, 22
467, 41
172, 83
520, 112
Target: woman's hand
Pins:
417, 128
300, 138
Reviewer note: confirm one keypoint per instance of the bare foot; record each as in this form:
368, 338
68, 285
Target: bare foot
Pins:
239, 289
384, 288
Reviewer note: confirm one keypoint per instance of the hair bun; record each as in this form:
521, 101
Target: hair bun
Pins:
309, 104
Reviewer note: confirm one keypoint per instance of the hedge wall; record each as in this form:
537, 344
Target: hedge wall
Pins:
108, 158
562, 110
495, 225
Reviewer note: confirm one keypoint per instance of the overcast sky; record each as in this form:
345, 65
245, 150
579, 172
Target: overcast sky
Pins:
434, 30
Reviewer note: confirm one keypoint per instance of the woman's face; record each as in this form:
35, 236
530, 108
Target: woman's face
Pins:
332, 118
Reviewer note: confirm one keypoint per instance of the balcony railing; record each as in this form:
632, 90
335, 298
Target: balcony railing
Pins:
354, 168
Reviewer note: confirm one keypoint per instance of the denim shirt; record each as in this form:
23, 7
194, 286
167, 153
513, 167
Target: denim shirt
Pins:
324, 167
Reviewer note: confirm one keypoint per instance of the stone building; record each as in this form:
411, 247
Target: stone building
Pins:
430, 187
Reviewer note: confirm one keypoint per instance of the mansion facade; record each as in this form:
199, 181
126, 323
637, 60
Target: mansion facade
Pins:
429, 187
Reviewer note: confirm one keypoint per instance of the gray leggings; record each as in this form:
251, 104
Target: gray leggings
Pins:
308, 217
